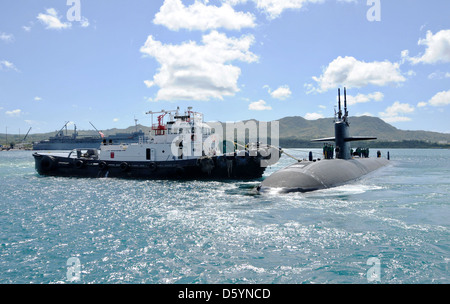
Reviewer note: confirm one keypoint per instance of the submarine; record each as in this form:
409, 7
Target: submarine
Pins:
346, 166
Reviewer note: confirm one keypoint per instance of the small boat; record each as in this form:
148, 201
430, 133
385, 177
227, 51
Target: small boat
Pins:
184, 147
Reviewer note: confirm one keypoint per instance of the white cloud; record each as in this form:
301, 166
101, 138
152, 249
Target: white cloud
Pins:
365, 114
395, 112
115, 119
84, 22
363, 98
6, 37
436, 75
396, 119
437, 48
274, 8
52, 20
200, 72
313, 116
37, 98
447, 75
440, 99
199, 16
411, 73
421, 104
7, 65
282, 92
26, 28
350, 72
14, 113
259, 105
149, 83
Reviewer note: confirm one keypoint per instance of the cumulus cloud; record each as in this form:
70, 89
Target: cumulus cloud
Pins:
199, 16
198, 71
395, 112
363, 98
438, 75
421, 104
84, 22
274, 8
52, 21
437, 48
259, 105
440, 99
365, 114
149, 83
282, 92
350, 72
7, 65
313, 116
6, 37
14, 113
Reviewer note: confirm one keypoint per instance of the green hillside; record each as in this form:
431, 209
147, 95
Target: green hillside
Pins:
300, 128
295, 131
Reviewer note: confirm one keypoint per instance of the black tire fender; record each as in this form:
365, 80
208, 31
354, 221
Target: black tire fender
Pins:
79, 164
102, 165
124, 166
48, 163
152, 166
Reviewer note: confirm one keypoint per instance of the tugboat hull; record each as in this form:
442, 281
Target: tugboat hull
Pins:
216, 167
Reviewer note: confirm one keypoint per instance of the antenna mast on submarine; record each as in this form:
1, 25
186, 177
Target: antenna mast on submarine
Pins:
345, 107
339, 104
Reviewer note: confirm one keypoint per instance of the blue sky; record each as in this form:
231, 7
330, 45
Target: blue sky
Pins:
111, 61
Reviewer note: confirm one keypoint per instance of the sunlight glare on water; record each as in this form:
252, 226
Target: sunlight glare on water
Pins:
225, 232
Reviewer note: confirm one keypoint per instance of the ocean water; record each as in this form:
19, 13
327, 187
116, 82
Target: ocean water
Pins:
391, 226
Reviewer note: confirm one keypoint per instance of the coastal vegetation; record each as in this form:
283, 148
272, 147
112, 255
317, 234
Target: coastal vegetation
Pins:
296, 131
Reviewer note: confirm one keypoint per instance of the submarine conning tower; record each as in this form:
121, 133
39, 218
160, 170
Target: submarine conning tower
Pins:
341, 132
341, 137
315, 175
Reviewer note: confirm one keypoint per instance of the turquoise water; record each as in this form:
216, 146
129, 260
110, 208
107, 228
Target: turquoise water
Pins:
223, 232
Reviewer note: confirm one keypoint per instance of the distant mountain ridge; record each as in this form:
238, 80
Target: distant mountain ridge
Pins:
293, 129
296, 127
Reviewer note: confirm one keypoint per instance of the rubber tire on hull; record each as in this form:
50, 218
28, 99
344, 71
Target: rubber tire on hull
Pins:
102, 165
124, 167
79, 164
48, 163
152, 166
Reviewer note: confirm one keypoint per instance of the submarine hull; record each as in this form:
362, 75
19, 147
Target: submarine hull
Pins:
327, 173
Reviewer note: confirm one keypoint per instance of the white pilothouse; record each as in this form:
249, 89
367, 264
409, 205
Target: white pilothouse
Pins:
182, 137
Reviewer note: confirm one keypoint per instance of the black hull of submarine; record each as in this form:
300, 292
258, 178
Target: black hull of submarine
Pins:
315, 175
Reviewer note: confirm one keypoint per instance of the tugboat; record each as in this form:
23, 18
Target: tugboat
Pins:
182, 148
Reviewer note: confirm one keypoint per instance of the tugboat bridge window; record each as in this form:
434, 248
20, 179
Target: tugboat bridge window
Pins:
159, 132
